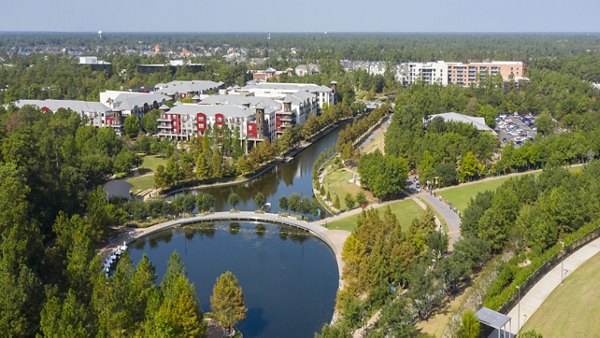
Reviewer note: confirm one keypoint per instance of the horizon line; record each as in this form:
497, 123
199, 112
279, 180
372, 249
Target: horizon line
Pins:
324, 32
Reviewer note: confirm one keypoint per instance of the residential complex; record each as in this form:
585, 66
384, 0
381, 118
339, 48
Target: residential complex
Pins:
258, 112
460, 74
441, 72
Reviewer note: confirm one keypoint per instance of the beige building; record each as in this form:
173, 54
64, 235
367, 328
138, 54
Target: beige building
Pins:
466, 74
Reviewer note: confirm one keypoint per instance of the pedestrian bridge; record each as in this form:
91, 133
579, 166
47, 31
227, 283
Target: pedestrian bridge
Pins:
333, 238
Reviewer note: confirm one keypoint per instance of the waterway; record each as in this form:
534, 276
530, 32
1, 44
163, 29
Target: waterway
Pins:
289, 277
283, 180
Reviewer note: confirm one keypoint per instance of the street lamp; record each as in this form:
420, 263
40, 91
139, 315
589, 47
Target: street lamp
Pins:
562, 264
519, 310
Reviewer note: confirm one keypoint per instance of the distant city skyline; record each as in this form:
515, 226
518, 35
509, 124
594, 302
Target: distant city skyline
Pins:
301, 16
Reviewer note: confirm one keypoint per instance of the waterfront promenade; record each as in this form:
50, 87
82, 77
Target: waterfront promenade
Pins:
333, 238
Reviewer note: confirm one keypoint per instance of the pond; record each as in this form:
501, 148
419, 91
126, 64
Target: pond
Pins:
289, 277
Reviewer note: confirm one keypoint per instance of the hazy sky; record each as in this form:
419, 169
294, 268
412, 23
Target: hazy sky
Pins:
301, 15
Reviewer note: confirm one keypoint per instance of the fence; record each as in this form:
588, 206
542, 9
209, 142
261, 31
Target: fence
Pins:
549, 265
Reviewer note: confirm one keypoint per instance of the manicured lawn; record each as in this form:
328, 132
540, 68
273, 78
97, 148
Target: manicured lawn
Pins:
461, 195
571, 309
141, 183
337, 182
152, 162
146, 181
406, 210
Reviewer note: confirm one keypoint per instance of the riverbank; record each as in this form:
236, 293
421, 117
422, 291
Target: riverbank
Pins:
265, 169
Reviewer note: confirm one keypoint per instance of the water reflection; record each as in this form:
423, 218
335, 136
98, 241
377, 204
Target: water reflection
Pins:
289, 284
283, 180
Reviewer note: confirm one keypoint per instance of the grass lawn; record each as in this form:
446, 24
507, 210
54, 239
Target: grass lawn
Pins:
141, 183
337, 182
406, 210
152, 162
146, 181
571, 309
461, 195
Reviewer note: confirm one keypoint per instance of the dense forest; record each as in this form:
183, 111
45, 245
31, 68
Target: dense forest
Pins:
53, 216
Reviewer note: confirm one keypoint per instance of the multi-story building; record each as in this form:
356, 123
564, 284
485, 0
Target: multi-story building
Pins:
255, 123
427, 72
96, 114
127, 103
324, 95
183, 89
466, 74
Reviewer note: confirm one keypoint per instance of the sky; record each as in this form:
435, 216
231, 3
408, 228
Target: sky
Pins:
300, 15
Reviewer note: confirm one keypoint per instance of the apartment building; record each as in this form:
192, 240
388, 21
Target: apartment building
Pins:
255, 123
183, 89
127, 103
96, 114
467, 74
427, 72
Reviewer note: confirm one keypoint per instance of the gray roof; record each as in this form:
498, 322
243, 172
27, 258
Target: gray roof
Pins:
239, 100
492, 318
305, 87
226, 110
74, 105
478, 122
195, 86
128, 101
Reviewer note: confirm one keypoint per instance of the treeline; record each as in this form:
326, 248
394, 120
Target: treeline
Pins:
352, 132
530, 216
404, 272
318, 46
568, 124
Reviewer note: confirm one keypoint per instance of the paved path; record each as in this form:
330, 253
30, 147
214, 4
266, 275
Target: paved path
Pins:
333, 238
451, 218
534, 298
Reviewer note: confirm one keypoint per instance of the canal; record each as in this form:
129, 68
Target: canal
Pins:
283, 180
289, 277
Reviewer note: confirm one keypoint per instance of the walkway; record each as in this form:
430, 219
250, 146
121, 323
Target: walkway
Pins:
333, 238
450, 217
534, 298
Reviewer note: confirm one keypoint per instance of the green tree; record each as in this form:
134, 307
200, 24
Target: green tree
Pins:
470, 167
361, 199
64, 318
260, 199
350, 202
233, 200
227, 301
150, 121
205, 201
283, 203
336, 202
469, 327
131, 126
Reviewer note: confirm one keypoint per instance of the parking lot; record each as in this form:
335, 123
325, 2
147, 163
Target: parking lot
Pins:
516, 128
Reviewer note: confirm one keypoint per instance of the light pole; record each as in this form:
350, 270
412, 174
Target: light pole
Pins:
519, 310
562, 264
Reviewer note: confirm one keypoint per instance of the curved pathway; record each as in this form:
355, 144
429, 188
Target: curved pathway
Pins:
452, 219
534, 298
333, 238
